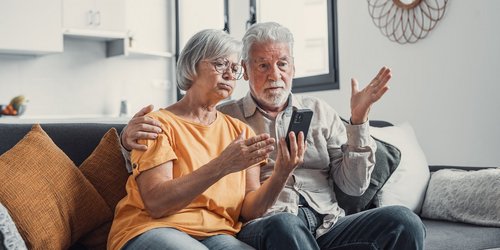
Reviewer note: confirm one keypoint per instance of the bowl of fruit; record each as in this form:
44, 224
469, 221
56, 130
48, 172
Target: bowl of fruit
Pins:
16, 107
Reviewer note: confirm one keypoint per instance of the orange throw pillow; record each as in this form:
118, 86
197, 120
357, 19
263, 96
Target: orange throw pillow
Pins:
49, 199
105, 169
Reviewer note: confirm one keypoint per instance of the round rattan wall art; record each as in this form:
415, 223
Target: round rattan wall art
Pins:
406, 21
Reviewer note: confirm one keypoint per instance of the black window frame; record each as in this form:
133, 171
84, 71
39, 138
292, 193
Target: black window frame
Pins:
317, 82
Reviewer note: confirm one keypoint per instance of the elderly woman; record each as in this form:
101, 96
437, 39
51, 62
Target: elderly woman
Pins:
194, 183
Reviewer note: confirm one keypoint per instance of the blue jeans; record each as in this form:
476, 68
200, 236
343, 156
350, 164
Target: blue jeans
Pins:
171, 238
392, 227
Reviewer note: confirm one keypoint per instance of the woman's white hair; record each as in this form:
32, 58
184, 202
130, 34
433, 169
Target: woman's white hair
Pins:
266, 32
207, 44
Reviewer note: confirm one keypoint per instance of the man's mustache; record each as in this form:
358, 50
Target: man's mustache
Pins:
276, 84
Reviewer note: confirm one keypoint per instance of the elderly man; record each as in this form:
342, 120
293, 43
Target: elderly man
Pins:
306, 214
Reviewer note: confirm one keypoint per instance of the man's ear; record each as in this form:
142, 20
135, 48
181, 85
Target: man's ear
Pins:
293, 75
245, 70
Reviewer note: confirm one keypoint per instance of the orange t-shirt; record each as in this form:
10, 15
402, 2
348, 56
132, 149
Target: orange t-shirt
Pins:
189, 145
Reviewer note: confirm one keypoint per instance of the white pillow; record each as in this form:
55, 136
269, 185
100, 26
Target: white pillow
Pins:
407, 185
11, 237
464, 196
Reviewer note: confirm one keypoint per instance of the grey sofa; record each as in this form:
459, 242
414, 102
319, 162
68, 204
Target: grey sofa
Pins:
453, 235
79, 140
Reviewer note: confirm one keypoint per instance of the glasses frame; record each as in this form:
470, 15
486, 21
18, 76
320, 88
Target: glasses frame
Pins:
227, 64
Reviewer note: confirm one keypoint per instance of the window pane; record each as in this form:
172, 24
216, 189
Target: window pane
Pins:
308, 21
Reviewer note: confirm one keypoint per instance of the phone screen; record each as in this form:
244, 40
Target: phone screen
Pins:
300, 121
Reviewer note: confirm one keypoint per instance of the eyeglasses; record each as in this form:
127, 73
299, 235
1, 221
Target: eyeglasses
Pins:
222, 64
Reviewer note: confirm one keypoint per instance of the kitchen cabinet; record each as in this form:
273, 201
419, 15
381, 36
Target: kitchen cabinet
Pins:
30, 26
150, 30
150, 27
94, 18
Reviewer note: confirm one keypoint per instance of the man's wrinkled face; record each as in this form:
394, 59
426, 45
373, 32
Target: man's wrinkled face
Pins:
270, 71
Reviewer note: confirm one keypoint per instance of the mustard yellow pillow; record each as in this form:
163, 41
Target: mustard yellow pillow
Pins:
49, 199
105, 169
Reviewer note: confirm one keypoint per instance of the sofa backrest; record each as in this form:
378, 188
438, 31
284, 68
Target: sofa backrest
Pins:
77, 140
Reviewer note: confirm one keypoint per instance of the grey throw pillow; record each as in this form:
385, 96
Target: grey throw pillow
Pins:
387, 158
9, 236
464, 196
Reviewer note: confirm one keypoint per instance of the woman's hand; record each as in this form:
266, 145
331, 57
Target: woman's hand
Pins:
287, 161
259, 198
361, 101
243, 153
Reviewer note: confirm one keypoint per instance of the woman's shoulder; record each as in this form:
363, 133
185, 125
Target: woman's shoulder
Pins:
161, 114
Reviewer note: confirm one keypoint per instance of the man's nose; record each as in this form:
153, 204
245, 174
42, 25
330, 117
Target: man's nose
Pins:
274, 73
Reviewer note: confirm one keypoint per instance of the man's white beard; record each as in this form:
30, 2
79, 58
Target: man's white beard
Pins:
273, 99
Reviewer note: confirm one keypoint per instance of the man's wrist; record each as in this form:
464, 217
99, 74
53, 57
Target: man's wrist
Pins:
357, 121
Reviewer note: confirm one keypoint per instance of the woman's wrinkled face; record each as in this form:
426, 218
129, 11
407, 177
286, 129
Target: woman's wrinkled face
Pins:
270, 71
217, 78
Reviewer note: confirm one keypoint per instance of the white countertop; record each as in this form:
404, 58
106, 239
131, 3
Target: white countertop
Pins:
65, 119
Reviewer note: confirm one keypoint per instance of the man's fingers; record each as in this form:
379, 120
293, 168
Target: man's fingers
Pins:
297, 145
144, 127
145, 135
383, 76
138, 146
354, 86
145, 123
144, 111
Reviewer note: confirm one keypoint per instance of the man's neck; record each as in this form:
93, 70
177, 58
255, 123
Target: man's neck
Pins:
272, 111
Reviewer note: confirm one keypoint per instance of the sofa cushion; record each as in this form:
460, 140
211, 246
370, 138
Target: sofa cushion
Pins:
105, 169
408, 183
50, 200
464, 196
459, 236
387, 158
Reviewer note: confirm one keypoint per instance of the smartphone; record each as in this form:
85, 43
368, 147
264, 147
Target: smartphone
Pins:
300, 121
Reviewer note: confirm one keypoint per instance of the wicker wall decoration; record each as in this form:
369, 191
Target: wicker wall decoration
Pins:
406, 21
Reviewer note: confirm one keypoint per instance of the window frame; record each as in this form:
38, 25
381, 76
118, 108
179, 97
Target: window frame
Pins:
316, 82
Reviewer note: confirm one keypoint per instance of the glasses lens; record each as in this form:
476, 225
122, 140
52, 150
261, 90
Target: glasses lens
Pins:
237, 71
221, 66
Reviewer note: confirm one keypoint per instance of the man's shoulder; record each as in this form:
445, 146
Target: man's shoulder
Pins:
229, 104
233, 108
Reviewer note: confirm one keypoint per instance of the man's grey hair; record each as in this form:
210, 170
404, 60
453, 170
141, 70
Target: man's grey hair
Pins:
207, 44
266, 32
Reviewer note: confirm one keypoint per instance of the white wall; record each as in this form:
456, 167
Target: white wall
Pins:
82, 82
446, 85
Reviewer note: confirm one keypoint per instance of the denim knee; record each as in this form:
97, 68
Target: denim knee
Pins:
284, 222
406, 218
278, 231
409, 225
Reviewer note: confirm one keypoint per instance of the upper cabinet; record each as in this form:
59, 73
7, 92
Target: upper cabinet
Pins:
94, 18
30, 26
128, 27
150, 27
